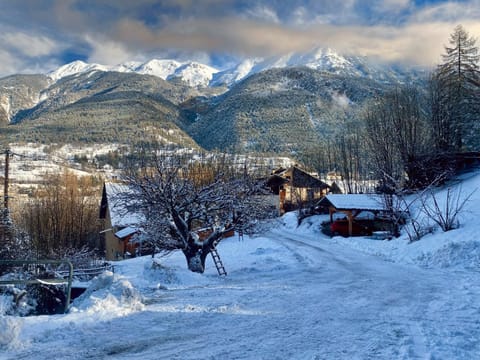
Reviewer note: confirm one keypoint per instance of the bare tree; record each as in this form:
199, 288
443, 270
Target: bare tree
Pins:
416, 226
343, 151
406, 208
179, 196
396, 134
61, 214
446, 214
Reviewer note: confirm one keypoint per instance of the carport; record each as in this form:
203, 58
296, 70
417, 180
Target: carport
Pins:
353, 204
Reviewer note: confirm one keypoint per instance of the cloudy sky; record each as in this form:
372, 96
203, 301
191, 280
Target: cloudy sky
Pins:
39, 35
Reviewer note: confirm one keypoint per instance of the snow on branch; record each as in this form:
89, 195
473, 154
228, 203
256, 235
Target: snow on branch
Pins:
178, 195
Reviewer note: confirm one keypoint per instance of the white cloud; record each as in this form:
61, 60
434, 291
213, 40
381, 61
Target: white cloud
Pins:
40, 66
26, 54
417, 43
394, 6
328, 12
264, 13
9, 63
29, 45
419, 40
450, 11
107, 52
301, 17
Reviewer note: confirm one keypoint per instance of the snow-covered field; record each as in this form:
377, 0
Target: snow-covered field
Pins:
291, 293
31, 162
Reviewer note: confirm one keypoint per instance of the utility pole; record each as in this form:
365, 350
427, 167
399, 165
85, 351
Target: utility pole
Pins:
5, 185
5, 220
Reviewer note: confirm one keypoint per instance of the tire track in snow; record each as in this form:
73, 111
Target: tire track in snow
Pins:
410, 326
325, 255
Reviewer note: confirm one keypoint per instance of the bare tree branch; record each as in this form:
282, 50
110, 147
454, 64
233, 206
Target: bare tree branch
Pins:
446, 215
178, 196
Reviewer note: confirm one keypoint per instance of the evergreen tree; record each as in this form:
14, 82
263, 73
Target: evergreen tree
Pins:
455, 105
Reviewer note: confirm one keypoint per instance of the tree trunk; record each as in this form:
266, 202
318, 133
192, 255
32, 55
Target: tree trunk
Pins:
196, 256
196, 253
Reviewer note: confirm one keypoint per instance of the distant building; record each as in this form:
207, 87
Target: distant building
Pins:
119, 227
296, 188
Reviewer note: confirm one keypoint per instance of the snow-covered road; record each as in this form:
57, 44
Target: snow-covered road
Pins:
378, 309
287, 296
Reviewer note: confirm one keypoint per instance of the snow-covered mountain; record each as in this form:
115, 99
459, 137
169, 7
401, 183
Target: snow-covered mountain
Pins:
19, 92
196, 74
192, 73
320, 59
75, 67
238, 72
161, 68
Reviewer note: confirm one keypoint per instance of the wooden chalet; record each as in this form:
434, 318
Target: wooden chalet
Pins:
119, 227
353, 204
295, 188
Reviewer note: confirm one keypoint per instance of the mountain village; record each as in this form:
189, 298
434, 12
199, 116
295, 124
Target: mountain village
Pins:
311, 205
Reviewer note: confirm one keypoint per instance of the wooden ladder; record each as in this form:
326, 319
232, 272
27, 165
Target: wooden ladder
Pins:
218, 262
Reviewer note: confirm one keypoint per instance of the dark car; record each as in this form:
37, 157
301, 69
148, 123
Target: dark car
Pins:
359, 227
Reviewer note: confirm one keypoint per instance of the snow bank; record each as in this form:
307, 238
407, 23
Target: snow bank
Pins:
452, 254
109, 294
10, 328
171, 277
439, 250
6, 304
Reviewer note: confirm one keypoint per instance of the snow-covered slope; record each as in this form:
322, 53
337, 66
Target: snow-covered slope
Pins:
75, 67
194, 74
235, 74
5, 105
20, 92
161, 68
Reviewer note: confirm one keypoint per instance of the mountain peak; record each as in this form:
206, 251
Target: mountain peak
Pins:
161, 68
194, 73
75, 67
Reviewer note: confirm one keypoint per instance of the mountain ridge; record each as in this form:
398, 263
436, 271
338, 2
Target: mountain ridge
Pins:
192, 73
196, 74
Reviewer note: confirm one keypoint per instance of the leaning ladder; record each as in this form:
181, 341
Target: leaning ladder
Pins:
218, 262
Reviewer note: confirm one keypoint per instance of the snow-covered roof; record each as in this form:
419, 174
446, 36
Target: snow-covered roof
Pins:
371, 202
126, 232
113, 199
296, 177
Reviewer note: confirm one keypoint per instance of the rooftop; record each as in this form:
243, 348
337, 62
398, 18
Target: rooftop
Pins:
372, 202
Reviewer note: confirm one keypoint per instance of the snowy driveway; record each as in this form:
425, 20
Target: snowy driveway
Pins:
287, 296
376, 309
